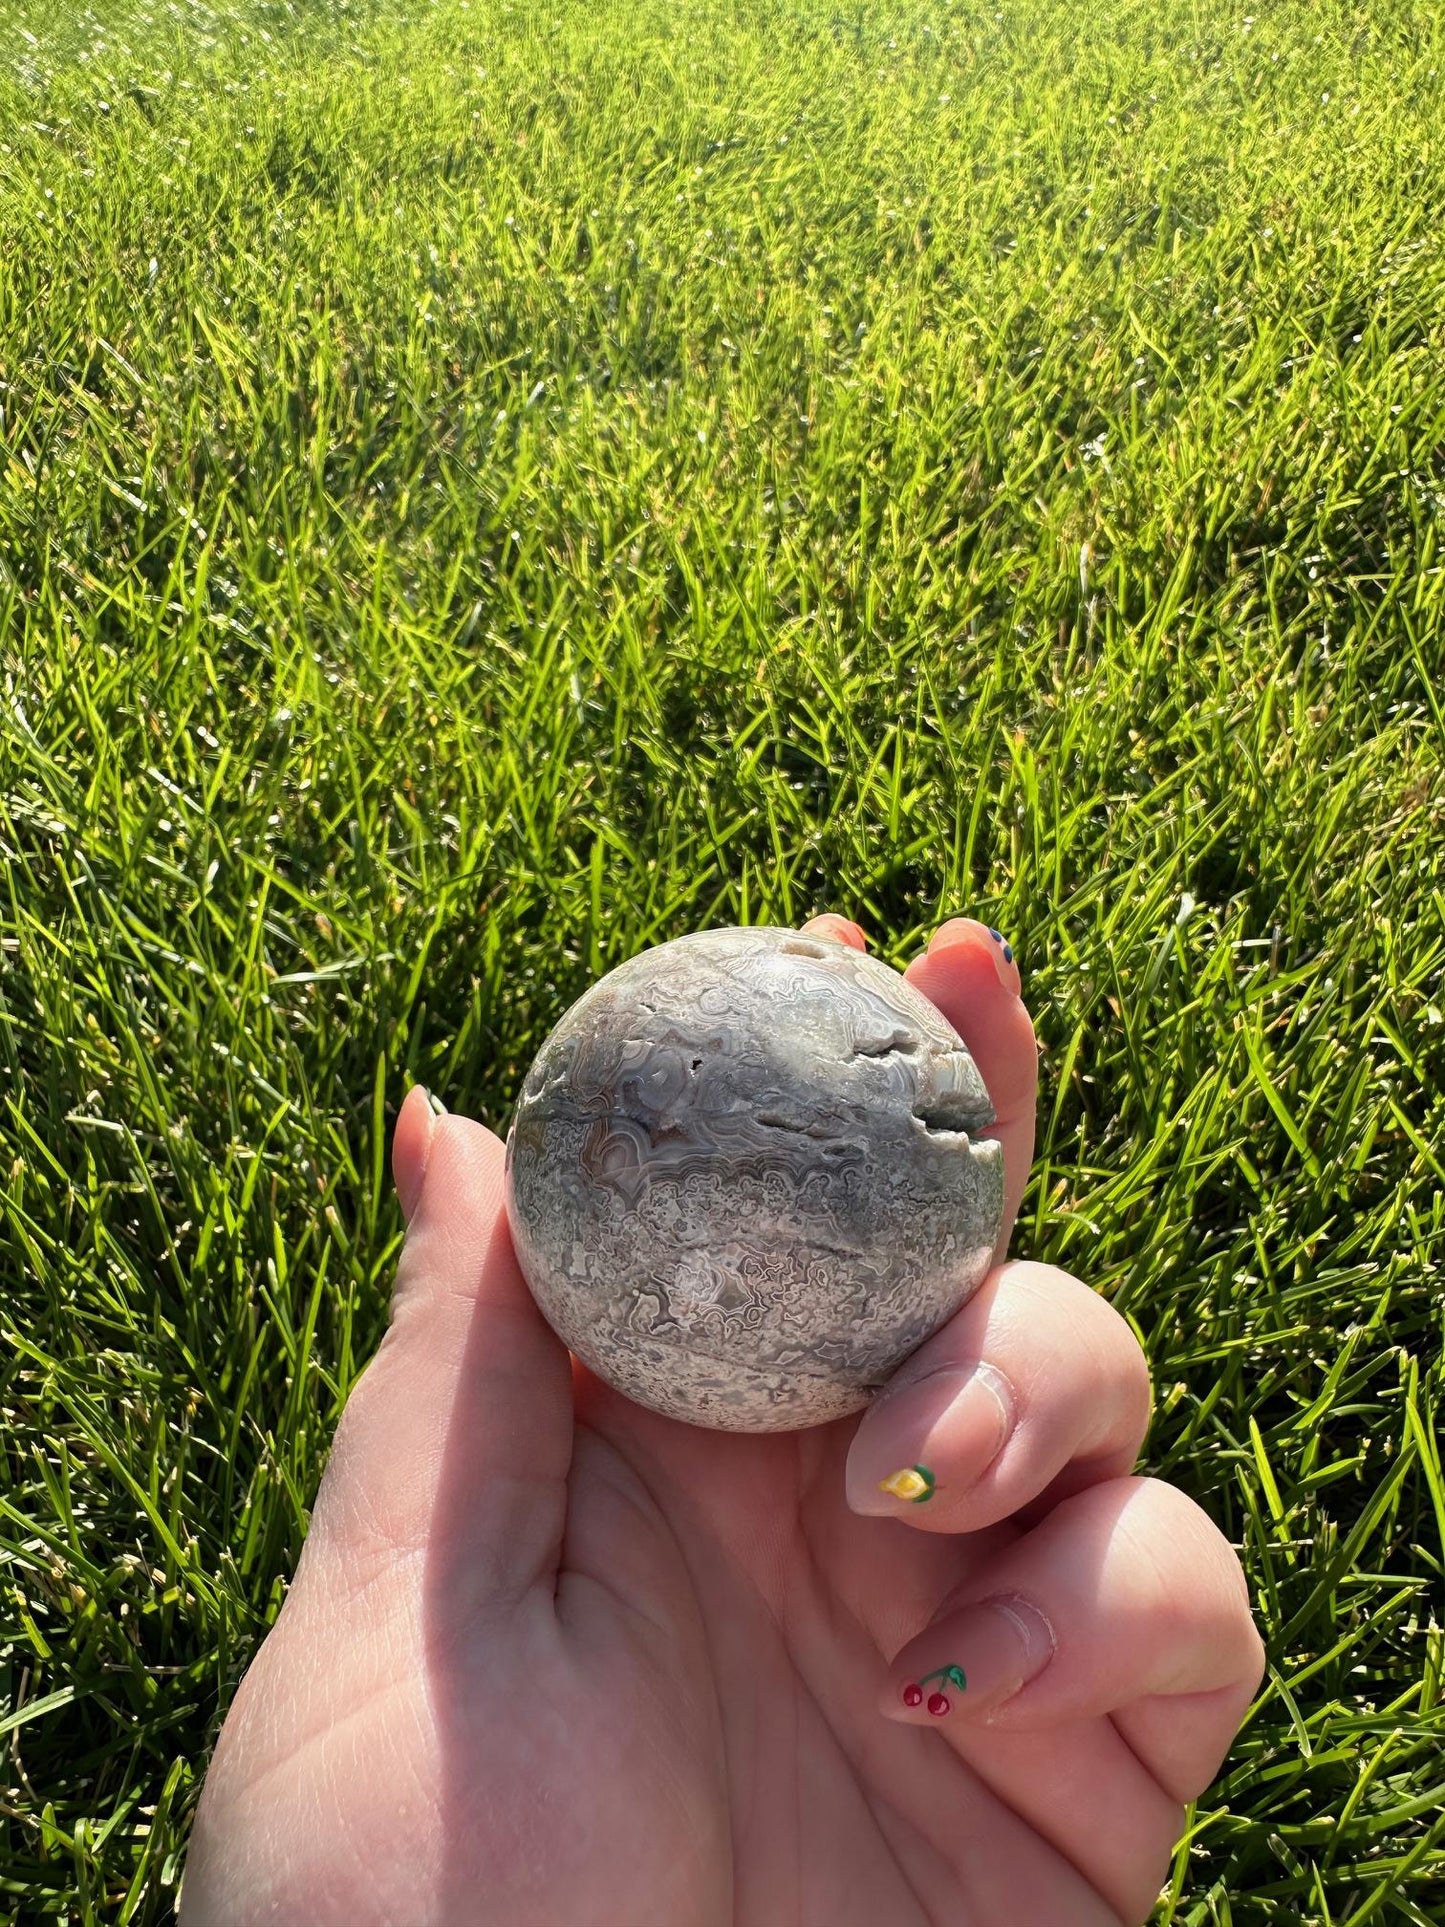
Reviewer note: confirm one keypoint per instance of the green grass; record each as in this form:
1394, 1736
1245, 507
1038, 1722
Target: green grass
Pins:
487, 488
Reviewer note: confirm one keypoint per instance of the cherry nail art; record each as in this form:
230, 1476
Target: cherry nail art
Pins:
938, 1703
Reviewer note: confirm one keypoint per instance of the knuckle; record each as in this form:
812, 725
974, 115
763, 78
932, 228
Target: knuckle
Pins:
1180, 1536
1137, 1382
1078, 1340
1048, 1280
1125, 1363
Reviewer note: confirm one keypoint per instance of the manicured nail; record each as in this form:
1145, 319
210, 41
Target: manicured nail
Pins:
974, 1662
939, 1433
965, 930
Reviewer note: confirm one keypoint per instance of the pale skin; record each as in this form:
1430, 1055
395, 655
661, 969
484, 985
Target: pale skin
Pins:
549, 1657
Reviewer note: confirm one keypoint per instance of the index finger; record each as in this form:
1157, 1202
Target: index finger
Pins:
970, 973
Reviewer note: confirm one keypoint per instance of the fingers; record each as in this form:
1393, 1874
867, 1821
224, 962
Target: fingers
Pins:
1036, 1389
1125, 1601
970, 974
466, 1410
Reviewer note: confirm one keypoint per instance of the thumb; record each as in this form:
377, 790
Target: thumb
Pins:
462, 1423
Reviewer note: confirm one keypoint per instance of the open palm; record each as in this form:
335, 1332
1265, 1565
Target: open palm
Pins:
552, 1659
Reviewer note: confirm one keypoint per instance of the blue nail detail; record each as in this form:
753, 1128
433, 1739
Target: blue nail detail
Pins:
1008, 949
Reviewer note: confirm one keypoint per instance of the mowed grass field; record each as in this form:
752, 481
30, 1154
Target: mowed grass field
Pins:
485, 488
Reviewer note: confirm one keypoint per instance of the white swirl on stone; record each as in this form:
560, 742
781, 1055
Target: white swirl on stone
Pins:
745, 1177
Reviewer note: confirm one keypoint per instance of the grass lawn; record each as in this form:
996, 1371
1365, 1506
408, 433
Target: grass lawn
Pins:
485, 488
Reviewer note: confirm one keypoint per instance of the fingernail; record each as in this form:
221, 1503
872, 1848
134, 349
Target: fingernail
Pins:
962, 929
936, 1434
838, 925
956, 930
431, 1109
972, 1663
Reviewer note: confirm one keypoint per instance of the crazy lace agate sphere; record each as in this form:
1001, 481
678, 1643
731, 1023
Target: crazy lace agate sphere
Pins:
745, 1181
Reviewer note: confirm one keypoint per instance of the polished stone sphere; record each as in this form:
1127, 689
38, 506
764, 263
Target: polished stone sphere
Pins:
745, 1180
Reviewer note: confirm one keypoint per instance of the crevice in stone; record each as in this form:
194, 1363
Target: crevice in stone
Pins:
770, 1121
901, 1045
942, 1120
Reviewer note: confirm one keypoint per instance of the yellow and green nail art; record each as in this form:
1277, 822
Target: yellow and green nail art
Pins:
914, 1482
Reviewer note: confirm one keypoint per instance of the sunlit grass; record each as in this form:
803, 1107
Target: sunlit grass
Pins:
487, 488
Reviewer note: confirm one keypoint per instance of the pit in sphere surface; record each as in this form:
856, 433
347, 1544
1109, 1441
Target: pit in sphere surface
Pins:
744, 1179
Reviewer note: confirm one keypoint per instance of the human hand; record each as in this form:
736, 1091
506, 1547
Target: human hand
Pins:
552, 1660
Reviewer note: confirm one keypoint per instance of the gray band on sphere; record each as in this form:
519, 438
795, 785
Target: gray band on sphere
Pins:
744, 1179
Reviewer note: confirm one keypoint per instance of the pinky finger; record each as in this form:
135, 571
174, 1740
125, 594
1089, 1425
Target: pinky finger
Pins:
1125, 1601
